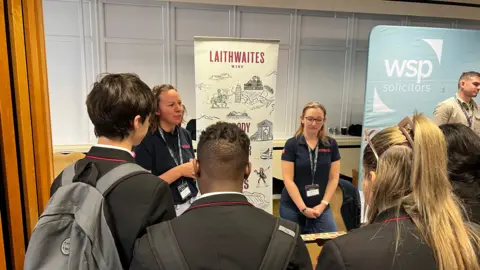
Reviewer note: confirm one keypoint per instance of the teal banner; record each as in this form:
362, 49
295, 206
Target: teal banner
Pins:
413, 69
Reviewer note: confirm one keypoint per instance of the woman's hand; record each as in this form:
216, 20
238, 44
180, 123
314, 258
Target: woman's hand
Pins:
311, 213
186, 169
320, 208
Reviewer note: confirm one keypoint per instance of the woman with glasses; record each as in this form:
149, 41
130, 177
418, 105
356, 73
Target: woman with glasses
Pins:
414, 220
311, 170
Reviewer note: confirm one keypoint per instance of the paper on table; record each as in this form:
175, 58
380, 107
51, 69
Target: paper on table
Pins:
325, 236
363, 215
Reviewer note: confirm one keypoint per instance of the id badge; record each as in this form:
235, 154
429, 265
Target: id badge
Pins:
184, 190
312, 190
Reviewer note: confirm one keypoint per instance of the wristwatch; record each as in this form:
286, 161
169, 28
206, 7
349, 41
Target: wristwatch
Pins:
325, 202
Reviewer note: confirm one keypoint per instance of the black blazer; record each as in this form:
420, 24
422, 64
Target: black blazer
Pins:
223, 237
351, 206
373, 247
133, 205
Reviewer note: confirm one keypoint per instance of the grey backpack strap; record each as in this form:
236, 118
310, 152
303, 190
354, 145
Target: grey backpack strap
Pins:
110, 179
165, 246
68, 174
282, 245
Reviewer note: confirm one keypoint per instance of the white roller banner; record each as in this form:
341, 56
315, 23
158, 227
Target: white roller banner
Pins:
235, 81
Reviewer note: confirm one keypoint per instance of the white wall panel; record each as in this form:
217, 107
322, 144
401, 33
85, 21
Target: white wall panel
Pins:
321, 75
280, 126
130, 21
424, 22
67, 96
365, 25
324, 31
87, 19
201, 22
61, 18
146, 60
186, 78
265, 26
323, 55
90, 71
468, 25
358, 88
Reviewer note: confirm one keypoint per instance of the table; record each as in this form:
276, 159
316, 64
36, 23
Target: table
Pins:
321, 238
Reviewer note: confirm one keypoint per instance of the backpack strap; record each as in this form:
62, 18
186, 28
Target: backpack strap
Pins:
282, 245
112, 178
68, 174
167, 252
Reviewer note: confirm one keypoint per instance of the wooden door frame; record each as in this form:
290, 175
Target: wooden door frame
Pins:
29, 73
8, 152
23, 112
39, 97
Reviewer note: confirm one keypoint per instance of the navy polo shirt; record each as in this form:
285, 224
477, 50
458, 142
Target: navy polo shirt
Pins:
296, 150
153, 155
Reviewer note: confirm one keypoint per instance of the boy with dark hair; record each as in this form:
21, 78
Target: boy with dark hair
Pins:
120, 106
222, 230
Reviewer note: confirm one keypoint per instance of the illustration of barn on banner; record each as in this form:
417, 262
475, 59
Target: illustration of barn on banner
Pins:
264, 131
254, 84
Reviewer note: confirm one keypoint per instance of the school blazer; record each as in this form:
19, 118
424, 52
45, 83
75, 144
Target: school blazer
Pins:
221, 237
373, 247
134, 204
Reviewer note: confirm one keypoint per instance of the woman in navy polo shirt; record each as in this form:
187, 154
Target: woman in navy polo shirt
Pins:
311, 170
167, 150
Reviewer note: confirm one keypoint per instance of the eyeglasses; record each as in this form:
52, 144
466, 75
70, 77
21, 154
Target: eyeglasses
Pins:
311, 119
406, 126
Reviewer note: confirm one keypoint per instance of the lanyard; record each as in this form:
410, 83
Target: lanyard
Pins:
313, 163
170, 150
469, 119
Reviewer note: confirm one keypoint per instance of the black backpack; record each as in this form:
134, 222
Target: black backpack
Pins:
279, 252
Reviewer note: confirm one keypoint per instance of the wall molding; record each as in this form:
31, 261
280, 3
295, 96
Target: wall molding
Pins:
294, 45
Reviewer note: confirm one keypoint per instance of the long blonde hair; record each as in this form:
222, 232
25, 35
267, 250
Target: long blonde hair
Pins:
412, 174
314, 105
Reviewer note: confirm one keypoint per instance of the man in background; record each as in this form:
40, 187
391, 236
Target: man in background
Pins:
461, 108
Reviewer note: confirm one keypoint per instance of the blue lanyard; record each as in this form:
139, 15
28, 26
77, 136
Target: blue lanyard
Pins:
469, 119
170, 150
313, 163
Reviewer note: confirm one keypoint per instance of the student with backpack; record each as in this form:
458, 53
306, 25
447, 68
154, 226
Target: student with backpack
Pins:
221, 229
101, 204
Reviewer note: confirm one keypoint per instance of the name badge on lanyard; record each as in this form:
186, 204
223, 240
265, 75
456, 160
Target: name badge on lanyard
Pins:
313, 189
469, 119
183, 188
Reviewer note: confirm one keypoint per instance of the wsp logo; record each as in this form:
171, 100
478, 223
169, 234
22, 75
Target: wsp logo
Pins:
419, 70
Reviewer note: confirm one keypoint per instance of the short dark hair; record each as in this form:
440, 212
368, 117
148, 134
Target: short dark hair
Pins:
468, 74
223, 150
463, 146
115, 101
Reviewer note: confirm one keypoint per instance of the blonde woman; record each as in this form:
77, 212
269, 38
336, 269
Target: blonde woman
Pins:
311, 169
167, 150
415, 222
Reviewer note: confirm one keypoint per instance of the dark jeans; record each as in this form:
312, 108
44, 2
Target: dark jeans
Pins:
324, 223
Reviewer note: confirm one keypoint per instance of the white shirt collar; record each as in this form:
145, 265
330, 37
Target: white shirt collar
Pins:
219, 193
114, 147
